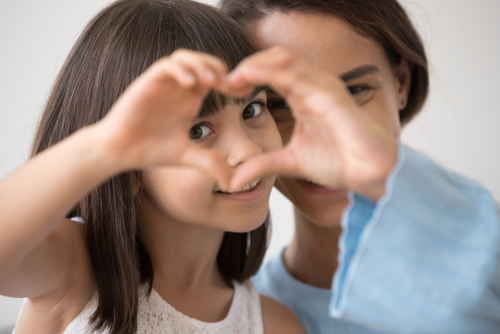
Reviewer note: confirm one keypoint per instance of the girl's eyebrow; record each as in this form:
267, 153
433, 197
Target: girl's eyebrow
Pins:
223, 101
359, 72
247, 99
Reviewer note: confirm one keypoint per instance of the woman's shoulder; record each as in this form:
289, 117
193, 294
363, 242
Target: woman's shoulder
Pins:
277, 318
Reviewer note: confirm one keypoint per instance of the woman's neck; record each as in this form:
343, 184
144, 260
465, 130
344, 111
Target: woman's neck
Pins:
311, 257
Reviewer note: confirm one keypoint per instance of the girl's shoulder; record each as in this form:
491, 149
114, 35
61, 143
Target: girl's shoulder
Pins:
277, 318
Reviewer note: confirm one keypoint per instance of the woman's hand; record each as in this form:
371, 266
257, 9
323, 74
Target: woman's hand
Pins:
149, 124
333, 143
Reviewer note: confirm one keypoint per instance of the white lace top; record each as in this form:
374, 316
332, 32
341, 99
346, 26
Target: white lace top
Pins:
156, 316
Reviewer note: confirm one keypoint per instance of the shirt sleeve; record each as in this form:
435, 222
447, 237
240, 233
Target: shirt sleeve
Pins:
425, 258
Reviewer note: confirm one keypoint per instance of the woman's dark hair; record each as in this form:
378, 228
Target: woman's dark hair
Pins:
121, 42
385, 21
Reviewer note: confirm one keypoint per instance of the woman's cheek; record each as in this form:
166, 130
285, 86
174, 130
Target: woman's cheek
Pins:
274, 139
285, 129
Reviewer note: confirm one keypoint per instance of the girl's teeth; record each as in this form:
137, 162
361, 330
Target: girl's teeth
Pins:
248, 186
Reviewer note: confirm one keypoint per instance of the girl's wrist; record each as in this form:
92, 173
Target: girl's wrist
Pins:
96, 153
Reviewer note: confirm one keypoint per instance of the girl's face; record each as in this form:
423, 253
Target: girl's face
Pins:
238, 132
333, 45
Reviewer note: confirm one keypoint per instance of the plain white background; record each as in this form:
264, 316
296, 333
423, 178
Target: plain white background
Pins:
459, 127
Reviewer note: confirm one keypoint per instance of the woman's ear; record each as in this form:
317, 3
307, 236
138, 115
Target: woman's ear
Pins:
402, 72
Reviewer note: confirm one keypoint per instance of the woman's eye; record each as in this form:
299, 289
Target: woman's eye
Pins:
355, 90
277, 104
253, 109
199, 131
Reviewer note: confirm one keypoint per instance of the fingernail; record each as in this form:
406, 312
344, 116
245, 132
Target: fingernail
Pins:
209, 75
189, 77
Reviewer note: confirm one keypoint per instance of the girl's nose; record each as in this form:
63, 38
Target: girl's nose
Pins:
240, 148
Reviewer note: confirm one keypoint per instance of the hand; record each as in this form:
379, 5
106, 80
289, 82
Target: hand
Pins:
149, 124
333, 143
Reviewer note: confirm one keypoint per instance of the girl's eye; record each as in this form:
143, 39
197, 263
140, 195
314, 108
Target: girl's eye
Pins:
355, 90
199, 131
254, 109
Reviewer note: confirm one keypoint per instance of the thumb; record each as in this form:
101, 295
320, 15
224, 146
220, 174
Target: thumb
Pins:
208, 161
277, 162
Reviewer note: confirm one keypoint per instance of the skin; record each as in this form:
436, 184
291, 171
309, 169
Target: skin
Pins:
42, 254
354, 122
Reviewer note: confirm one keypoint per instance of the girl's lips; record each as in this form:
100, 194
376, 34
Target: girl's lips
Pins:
250, 194
318, 189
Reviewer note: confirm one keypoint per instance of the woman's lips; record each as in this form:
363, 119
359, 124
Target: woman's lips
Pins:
318, 189
249, 194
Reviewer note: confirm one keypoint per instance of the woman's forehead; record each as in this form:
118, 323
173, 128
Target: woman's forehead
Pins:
326, 41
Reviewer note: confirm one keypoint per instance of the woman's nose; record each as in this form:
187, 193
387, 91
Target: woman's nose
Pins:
240, 148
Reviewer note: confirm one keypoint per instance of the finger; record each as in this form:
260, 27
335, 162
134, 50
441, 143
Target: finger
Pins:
277, 162
208, 69
229, 89
217, 64
283, 82
276, 56
165, 69
210, 162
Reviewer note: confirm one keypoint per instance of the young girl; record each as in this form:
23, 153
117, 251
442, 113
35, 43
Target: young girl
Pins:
129, 157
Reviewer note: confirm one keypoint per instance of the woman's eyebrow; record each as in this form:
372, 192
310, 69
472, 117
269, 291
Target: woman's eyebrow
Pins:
359, 72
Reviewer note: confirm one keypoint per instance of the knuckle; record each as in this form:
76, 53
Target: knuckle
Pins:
286, 57
182, 54
164, 63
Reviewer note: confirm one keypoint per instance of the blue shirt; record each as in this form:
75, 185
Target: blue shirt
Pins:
310, 304
425, 258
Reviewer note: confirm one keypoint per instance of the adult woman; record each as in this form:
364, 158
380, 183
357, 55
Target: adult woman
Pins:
406, 262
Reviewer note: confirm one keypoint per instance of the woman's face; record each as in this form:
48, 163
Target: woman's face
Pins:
238, 132
334, 46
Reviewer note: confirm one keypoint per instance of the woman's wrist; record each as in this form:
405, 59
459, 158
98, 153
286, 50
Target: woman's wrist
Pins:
374, 186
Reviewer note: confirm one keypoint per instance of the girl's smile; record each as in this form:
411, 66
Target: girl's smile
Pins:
251, 192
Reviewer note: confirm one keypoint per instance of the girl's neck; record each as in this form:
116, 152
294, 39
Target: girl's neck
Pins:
184, 259
311, 257
183, 255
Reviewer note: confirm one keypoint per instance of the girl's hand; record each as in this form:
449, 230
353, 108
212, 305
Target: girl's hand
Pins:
333, 143
149, 124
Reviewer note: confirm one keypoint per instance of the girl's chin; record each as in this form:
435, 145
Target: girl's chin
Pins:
244, 224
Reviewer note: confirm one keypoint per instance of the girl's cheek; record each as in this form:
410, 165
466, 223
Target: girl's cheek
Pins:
172, 186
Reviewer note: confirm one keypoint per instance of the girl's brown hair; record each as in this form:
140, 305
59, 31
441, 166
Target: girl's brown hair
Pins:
121, 42
385, 21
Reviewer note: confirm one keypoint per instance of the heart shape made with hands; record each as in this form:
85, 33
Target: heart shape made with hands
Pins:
333, 143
